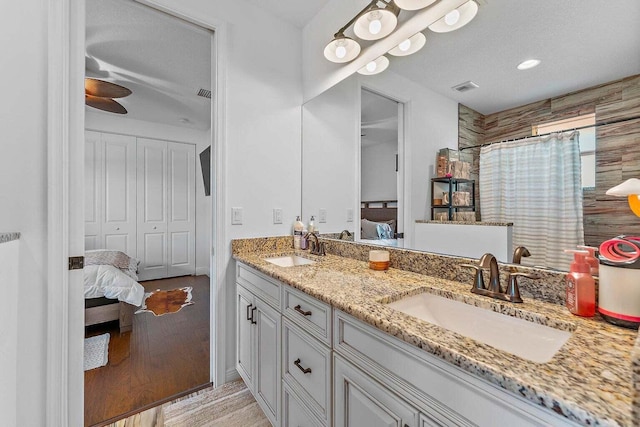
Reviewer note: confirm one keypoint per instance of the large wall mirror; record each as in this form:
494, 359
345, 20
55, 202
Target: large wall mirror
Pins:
577, 47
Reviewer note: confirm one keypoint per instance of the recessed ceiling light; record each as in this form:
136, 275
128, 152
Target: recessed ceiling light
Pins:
529, 63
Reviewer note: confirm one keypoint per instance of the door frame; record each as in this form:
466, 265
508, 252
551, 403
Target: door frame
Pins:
65, 206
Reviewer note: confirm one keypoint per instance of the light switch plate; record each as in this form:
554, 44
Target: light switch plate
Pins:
277, 216
322, 217
349, 215
236, 216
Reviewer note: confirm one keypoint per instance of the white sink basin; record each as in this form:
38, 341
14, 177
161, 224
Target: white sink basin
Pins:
531, 341
289, 261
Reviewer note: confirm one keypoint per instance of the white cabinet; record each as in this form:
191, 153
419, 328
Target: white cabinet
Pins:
362, 402
258, 346
140, 199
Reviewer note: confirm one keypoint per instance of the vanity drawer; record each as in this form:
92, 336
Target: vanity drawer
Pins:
310, 314
306, 369
294, 412
265, 287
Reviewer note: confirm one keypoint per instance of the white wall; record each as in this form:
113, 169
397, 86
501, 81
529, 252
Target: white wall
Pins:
9, 264
432, 123
330, 129
23, 183
264, 95
378, 172
106, 122
263, 124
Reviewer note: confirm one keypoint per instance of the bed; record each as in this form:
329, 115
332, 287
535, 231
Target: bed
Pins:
111, 289
378, 222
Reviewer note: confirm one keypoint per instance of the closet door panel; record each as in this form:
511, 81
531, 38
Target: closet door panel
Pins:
181, 209
152, 209
92, 190
119, 193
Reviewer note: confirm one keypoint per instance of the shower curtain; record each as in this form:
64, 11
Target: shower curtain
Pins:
535, 183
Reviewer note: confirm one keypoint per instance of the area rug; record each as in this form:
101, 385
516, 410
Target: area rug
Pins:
166, 302
96, 351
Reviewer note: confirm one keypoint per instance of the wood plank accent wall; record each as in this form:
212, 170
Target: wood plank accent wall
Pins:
617, 145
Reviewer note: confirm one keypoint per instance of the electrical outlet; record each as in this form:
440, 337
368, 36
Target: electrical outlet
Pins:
349, 215
322, 217
236, 216
277, 216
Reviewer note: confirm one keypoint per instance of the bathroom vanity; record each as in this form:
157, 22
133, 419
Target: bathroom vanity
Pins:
319, 345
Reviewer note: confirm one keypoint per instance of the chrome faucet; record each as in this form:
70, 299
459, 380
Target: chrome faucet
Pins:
316, 247
512, 291
344, 233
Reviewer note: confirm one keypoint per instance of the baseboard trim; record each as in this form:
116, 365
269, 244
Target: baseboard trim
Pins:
202, 271
231, 375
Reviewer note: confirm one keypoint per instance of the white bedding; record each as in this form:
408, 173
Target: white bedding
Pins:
108, 281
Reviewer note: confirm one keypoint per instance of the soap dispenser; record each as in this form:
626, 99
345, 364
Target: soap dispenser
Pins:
591, 259
581, 289
312, 226
297, 233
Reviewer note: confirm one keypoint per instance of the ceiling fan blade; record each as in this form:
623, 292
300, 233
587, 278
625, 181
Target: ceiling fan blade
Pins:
105, 104
100, 88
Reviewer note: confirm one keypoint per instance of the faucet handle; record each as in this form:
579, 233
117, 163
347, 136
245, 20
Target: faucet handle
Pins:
478, 282
513, 290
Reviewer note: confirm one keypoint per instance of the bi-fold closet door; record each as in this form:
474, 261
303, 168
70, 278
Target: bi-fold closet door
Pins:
140, 199
166, 209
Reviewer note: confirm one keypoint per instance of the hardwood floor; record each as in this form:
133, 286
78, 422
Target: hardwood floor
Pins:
160, 359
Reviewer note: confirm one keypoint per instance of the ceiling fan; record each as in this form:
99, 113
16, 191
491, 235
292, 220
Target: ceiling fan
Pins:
99, 94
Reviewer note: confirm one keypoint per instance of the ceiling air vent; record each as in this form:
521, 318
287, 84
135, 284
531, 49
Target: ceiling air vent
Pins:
204, 93
466, 86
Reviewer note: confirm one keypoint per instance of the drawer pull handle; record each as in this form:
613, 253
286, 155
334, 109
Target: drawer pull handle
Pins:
249, 308
304, 370
301, 311
253, 320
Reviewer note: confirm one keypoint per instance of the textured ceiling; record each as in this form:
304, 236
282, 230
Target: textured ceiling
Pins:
162, 59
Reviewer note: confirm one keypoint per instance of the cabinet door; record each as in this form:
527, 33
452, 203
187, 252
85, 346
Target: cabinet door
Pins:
267, 374
244, 332
359, 401
119, 193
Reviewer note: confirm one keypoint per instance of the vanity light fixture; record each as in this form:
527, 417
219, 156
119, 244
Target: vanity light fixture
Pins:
529, 63
377, 22
374, 67
455, 19
409, 46
413, 4
342, 49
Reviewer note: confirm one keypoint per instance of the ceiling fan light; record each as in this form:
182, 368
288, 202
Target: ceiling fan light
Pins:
415, 43
375, 67
457, 18
413, 4
375, 24
342, 49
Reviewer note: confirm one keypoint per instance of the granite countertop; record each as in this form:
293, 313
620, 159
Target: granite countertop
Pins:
495, 224
8, 237
589, 380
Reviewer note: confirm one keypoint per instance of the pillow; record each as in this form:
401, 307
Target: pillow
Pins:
369, 229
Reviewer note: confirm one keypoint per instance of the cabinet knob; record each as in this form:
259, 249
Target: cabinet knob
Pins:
117, 228
154, 227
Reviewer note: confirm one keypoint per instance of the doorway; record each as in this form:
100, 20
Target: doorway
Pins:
381, 170
161, 216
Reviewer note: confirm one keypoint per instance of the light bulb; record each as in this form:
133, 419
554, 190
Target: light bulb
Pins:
452, 17
375, 26
405, 45
341, 52
371, 66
